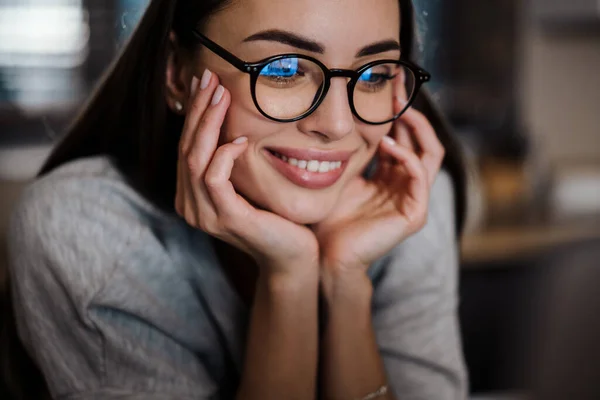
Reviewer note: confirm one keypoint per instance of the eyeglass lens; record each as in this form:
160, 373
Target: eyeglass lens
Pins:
288, 87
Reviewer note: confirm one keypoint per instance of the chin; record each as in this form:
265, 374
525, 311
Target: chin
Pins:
306, 214
304, 209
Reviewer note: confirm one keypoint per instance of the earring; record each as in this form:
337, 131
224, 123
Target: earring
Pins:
178, 106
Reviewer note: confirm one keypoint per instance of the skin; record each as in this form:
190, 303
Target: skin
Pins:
342, 30
304, 241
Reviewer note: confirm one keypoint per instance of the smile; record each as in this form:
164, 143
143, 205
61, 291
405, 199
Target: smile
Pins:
311, 169
311, 165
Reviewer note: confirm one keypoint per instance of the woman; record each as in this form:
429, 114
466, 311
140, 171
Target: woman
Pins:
207, 228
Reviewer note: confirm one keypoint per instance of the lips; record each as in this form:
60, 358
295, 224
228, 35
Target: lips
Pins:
313, 154
311, 168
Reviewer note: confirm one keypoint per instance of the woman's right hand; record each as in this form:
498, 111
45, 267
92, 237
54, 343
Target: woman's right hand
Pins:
207, 200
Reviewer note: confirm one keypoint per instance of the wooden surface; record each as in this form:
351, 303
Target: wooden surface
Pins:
513, 242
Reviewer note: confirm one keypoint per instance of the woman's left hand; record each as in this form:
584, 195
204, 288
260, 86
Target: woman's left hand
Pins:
374, 215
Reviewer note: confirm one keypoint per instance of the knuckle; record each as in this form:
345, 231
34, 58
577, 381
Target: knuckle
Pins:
419, 221
223, 151
417, 164
421, 171
184, 150
220, 155
196, 107
191, 222
204, 226
209, 225
440, 151
193, 164
212, 181
178, 208
203, 123
190, 219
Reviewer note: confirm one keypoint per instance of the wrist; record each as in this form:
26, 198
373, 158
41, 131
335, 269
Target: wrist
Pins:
346, 285
293, 278
284, 267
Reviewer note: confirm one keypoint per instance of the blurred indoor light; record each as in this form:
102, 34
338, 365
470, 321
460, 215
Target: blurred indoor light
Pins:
43, 35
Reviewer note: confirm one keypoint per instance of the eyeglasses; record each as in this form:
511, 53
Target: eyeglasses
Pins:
289, 87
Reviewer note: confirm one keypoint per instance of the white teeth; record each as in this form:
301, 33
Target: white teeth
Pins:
312, 165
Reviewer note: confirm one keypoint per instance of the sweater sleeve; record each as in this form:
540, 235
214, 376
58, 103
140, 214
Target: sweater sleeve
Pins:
415, 307
84, 270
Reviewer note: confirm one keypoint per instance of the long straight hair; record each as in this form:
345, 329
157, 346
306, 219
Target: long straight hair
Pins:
127, 119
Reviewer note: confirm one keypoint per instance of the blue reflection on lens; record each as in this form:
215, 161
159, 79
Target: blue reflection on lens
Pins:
367, 75
286, 67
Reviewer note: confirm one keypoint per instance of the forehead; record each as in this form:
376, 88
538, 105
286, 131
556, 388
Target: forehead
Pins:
333, 23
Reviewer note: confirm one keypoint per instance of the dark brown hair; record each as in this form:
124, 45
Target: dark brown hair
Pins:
127, 119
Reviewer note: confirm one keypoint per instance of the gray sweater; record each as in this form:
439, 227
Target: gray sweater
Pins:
116, 299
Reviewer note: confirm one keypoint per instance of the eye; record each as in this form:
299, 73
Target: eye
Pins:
282, 68
375, 75
377, 78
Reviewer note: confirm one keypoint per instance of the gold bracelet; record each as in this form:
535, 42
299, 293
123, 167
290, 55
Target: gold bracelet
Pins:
378, 393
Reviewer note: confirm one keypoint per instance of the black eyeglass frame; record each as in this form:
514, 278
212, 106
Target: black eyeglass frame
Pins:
254, 69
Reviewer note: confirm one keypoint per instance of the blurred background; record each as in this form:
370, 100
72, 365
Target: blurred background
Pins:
520, 83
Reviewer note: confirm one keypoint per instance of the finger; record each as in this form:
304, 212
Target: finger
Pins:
400, 131
385, 163
186, 201
402, 136
200, 97
193, 201
413, 169
400, 93
207, 134
228, 204
430, 148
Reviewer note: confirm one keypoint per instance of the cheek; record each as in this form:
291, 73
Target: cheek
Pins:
244, 180
242, 119
372, 135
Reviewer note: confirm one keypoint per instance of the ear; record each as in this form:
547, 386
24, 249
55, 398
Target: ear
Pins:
178, 75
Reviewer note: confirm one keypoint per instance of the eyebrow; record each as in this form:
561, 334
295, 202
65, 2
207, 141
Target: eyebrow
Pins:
379, 47
303, 43
291, 39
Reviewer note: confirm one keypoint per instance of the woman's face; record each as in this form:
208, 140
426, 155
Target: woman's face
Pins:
332, 133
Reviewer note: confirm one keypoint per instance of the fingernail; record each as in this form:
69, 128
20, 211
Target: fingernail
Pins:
205, 79
218, 95
194, 86
389, 140
240, 140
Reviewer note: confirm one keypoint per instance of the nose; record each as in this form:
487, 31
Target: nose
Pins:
333, 119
